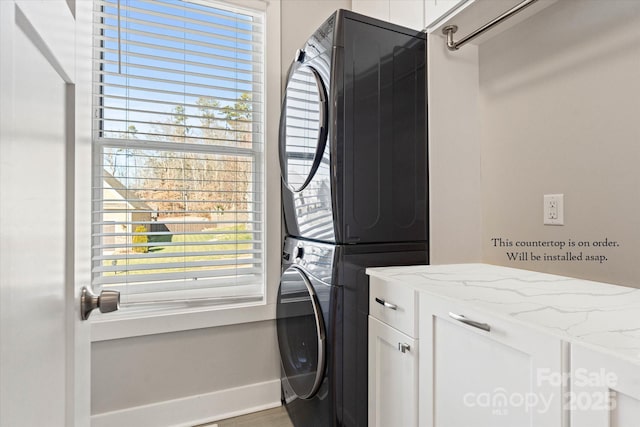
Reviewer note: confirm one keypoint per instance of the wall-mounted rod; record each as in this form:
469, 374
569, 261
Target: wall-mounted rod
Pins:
449, 30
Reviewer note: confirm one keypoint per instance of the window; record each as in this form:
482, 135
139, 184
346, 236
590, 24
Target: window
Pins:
178, 151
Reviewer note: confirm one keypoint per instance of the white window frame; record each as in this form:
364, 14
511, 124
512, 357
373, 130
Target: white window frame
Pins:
139, 322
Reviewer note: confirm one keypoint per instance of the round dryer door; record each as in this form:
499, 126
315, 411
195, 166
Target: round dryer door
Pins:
303, 126
301, 333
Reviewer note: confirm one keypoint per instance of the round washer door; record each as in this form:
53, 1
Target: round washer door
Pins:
301, 333
303, 126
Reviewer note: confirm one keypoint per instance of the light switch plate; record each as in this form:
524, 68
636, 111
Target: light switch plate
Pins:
553, 209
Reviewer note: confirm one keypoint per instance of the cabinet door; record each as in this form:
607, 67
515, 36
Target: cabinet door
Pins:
505, 376
605, 391
434, 9
408, 13
378, 9
393, 377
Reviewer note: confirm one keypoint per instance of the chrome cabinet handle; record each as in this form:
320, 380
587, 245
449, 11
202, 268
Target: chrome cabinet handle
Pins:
461, 318
386, 304
404, 347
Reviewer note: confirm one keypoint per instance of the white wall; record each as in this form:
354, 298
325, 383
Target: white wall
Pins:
132, 372
134, 377
454, 154
559, 113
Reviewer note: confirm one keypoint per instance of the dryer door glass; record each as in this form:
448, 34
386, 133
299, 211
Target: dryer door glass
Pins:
303, 126
301, 333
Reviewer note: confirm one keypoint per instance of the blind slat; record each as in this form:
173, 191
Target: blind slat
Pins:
184, 75
162, 36
186, 254
183, 147
173, 265
216, 32
170, 61
154, 245
151, 114
223, 9
116, 98
253, 20
248, 279
163, 277
127, 20
151, 80
184, 51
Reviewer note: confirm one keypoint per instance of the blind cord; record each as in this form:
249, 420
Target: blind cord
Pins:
119, 42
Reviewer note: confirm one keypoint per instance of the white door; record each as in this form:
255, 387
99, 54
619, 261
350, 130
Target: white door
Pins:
484, 371
44, 211
393, 377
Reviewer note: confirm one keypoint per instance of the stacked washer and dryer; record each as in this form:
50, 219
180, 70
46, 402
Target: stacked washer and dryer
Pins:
353, 155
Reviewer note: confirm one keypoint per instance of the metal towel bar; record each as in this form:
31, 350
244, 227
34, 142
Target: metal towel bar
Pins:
449, 30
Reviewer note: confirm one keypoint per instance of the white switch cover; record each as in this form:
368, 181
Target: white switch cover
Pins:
554, 209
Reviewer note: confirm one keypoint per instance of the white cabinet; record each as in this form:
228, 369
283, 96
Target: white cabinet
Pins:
484, 371
378, 9
393, 376
408, 13
605, 390
393, 356
434, 9
496, 347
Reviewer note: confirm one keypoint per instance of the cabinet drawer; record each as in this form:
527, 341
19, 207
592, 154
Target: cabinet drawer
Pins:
393, 304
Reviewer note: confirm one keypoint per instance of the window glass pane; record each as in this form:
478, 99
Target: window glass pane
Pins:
178, 205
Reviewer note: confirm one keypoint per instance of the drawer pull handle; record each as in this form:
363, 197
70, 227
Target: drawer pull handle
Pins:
461, 318
404, 347
386, 304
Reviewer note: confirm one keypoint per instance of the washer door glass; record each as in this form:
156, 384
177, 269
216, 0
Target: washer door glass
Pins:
303, 126
301, 334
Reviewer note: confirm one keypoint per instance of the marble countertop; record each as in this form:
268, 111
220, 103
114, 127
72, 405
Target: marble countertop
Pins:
600, 316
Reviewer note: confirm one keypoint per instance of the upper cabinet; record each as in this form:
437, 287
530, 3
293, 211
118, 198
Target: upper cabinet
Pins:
408, 13
378, 9
430, 14
434, 9
471, 15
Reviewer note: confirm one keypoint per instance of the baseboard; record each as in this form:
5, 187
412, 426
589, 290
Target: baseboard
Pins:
194, 410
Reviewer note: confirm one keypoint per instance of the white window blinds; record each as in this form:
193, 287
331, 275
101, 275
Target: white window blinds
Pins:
178, 142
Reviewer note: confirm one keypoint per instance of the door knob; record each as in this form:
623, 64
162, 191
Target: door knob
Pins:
107, 302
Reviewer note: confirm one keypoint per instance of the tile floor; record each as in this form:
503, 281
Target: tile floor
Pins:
276, 417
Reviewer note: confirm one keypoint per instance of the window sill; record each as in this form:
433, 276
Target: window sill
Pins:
115, 326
